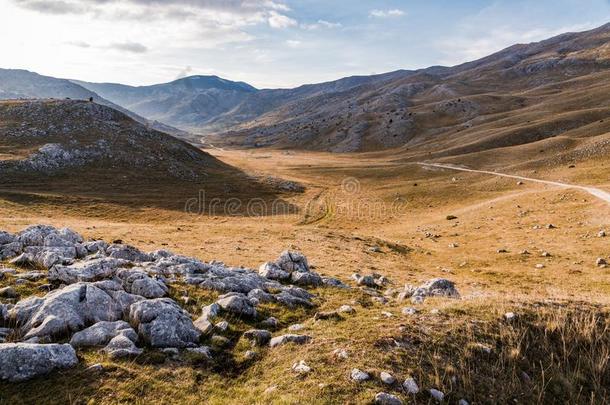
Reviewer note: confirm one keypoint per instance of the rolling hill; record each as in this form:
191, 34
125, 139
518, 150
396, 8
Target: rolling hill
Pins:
86, 151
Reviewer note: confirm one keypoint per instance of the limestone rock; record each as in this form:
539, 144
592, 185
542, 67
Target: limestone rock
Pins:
103, 332
160, 322
284, 339
22, 361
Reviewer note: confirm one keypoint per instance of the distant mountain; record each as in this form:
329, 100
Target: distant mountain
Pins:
206, 104
522, 94
23, 84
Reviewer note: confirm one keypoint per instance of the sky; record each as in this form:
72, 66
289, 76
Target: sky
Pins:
271, 43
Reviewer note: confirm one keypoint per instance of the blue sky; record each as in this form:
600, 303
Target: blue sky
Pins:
271, 43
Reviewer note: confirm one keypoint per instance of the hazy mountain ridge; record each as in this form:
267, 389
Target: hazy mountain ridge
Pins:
23, 84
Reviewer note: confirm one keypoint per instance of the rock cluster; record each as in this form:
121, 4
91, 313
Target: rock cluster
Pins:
113, 296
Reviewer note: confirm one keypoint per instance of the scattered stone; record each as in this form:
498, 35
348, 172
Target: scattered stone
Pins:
296, 327
301, 367
601, 234
463, 402
284, 339
545, 254
502, 251
437, 395
409, 311
375, 249
410, 386
550, 226
540, 266
202, 352
250, 355
334, 282
451, 217
524, 252
519, 183
387, 378
509, 316
23, 361
383, 398
359, 375
273, 272
258, 337
601, 262
387, 314
346, 309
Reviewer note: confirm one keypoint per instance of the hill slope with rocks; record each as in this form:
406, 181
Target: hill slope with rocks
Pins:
80, 147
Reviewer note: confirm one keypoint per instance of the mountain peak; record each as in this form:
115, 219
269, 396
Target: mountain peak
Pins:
203, 82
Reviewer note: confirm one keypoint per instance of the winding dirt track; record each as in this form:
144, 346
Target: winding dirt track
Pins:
596, 192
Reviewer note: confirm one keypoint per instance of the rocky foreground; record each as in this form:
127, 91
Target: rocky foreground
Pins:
115, 297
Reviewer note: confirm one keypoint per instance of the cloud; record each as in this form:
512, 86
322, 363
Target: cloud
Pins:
280, 21
293, 43
185, 72
133, 47
386, 13
321, 24
79, 44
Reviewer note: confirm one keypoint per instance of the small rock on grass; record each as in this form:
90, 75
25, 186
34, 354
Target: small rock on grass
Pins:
387, 378
437, 395
509, 316
383, 398
346, 309
601, 262
410, 386
409, 311
359, 375
301, 367
340, 354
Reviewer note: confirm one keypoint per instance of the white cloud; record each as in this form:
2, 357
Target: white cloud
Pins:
280, 21
386, 13
321, 24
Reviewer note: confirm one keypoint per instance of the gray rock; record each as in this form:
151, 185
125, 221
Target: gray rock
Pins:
387, 378
346, 309
204, 325
359, 375
261, 296
437, 287
601, 262
258, 337
22, 361
237, 304
65, 311
90, 270
284, 339
10, 250
437, 395
103, 332
383, 398
136, 281
126, 252
306, 279
222, 326
6, 238
273, 272
334, 282
31, 276
160, 322
121, 346
410, 386
292, 261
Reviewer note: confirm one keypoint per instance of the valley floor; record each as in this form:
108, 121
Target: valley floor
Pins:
526, 248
